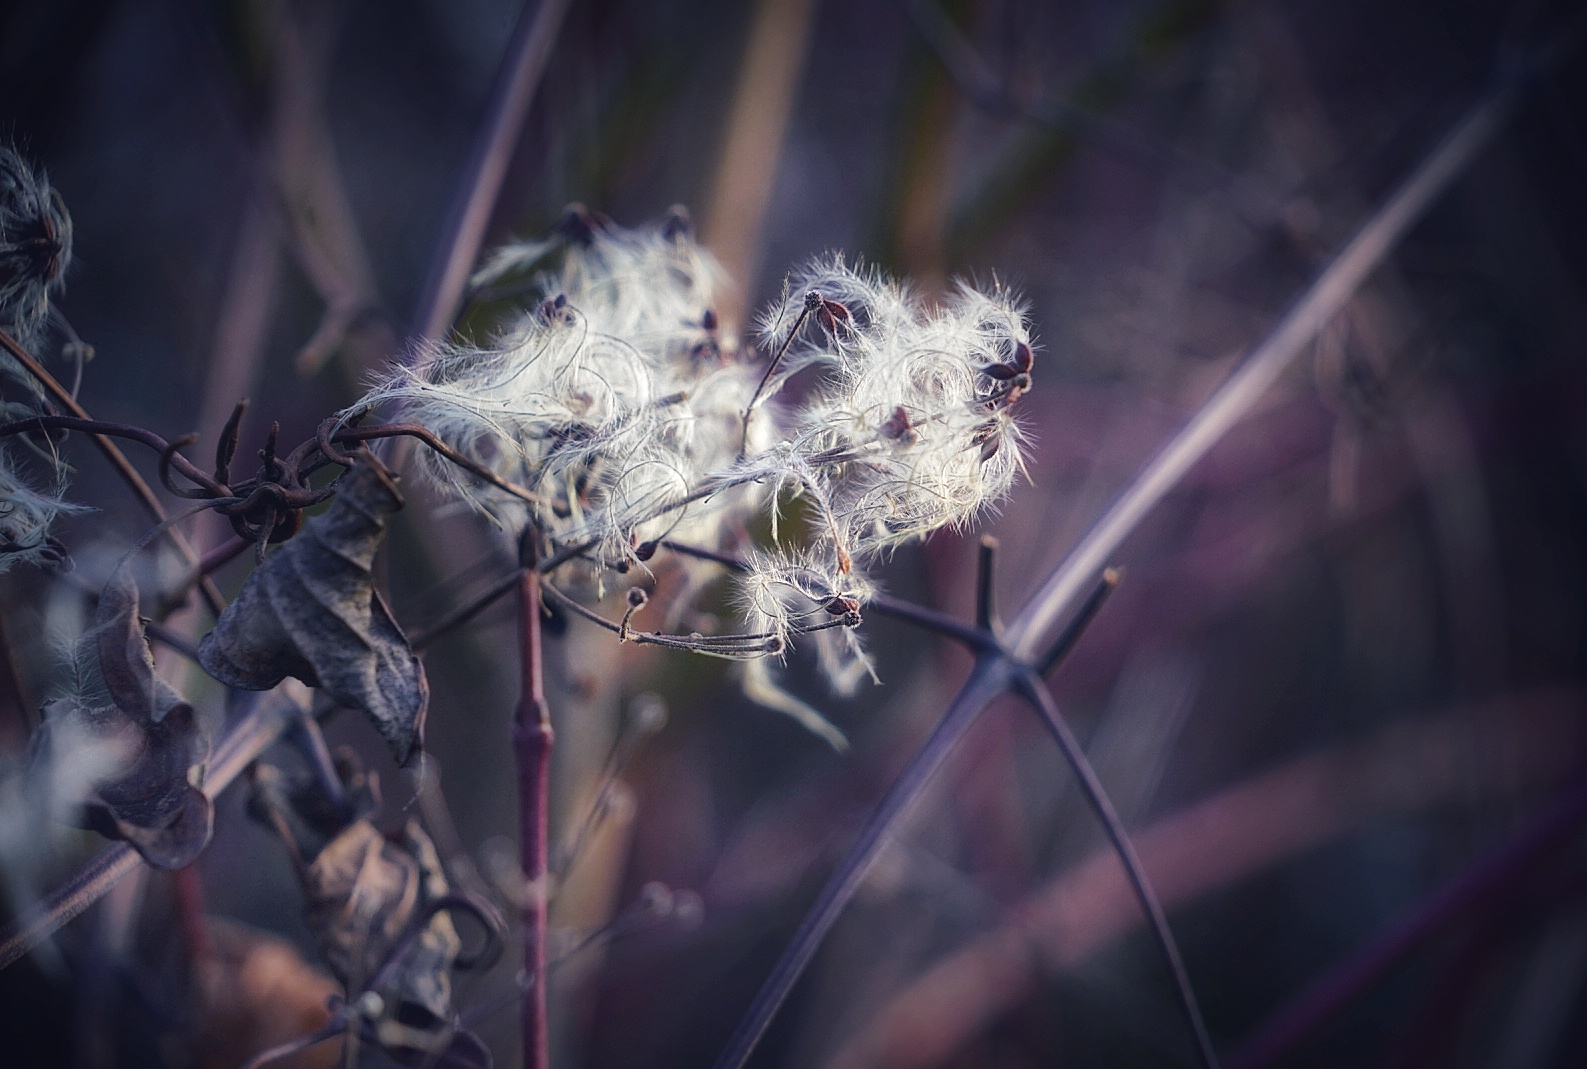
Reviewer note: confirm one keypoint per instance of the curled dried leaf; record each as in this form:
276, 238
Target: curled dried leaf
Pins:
379, 907
125, 658
312, 612
144, 741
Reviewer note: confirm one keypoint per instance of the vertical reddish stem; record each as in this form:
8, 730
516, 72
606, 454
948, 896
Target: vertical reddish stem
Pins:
532, 738
189, 890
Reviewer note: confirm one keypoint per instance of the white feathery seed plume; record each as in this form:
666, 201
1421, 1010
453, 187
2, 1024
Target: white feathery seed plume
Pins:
614, 400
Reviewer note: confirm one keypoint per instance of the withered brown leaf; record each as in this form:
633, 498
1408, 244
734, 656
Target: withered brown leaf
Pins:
379, 906
137, 741
125, 658
312, 611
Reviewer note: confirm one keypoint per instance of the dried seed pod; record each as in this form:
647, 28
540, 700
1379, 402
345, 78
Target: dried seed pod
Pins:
832, 313
897, 426
842, 605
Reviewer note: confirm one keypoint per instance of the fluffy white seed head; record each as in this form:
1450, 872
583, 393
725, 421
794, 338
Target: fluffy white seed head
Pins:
610, 399
615, 402
917, 403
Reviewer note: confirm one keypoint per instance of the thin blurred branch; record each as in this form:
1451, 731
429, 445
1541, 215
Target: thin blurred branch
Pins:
999, 672
763, 99
1374, 241
527, 56
118, 460
314, 198
987, 89
1245, 829
1491, 878
1037, 694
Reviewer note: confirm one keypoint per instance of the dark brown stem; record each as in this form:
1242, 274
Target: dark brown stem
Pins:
782, 350
985, 605
465, 612
532, 741
223, 554
428, 437
169, 457
119, 461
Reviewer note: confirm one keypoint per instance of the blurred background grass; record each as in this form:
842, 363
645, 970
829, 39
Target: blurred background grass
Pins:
1354, 637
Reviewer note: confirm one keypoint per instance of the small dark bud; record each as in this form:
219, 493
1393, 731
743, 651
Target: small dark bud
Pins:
1001, 372
580, 226
645, 550
1024, 359
842, 605
553, 309
637, 597
709, 320
813, 300
677, 225
897, 425
831, 313
987, 437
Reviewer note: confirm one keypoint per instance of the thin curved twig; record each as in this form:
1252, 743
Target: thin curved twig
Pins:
735, 646
435, 444
525, 63
170, 458
978, 640
991, 677
1035, 692
118, 460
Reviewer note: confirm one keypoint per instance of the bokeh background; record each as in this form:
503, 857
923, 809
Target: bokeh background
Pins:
1344, 670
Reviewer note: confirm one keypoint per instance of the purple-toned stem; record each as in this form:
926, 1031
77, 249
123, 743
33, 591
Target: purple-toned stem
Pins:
992, 676
532, 740
527, 56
